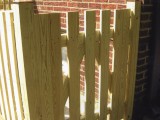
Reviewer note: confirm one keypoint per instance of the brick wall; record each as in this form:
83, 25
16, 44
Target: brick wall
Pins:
79, 5
143, 63
144, 51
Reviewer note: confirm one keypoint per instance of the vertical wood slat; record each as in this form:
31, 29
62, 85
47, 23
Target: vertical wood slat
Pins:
117, 73
4, 87
74, 65
125, 25
37, 75
57, 67
5, 54
134, 41
18, 14
13, 63
2, 107
90, 63
104, 60
121, 44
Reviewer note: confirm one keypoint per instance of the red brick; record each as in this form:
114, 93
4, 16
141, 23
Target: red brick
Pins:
101, 0
81, 28
96, 90
81, 18
74, 9
63, 14
110, 67
97, 79
82, 11
97, 26
72, 4
121, 6
110, 54
97, 19
59, 3
94, 5
97, 12
88, 0
81, 23
49, 8
97, 74
83, 5
77, 0
111, 21
47, 3
61, 9
96, 85
63, 25
81, 87
96, 95
117, 1
109, 6
82, 73
63, 20
82, 83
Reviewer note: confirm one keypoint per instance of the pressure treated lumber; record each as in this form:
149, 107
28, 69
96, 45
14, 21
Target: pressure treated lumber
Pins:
7, 72
104, 62
74, 64
37, 53
4, 87
13, 63
118, 38
19, 35
134, 42
56, 62
123, 77
90, 63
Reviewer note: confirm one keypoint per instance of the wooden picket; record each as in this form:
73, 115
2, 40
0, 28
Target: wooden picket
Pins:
6, 65
90, 33
32, 86
74, 65
104, 60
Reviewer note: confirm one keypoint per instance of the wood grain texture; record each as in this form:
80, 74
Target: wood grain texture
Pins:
90, 35
74, 65
21, 12
104, 60
39, 62
13, 63
56, 62
120, 75
134, 41
125, 25
117, 62
7, 72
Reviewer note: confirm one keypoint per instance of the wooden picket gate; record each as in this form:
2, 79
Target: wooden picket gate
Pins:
31, 83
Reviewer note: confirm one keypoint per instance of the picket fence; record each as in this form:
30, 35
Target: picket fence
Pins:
31, 83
